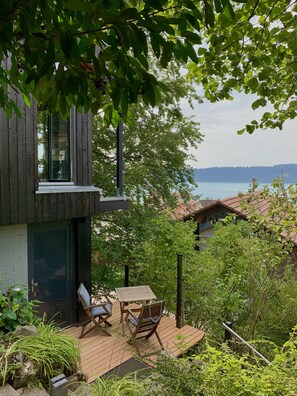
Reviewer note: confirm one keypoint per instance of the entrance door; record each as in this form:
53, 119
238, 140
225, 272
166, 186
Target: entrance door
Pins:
52, 270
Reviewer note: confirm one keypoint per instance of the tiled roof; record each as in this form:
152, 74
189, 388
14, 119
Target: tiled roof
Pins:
243, 205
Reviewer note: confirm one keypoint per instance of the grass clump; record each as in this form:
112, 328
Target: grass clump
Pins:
53, 351
114, 386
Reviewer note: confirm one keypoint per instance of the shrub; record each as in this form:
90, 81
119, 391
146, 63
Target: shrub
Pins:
15, 309
220, 372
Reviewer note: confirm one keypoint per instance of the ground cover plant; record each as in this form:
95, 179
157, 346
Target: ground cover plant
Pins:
37, 357
114, 386
219, 372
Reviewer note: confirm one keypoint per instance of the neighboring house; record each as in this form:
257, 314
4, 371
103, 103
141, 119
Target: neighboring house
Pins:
184, 208
215, 211
46, 203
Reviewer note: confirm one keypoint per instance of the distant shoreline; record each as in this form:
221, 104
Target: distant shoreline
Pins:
263, 174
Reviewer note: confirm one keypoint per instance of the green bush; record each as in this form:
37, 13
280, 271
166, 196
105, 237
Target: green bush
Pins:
220, 372
15, 309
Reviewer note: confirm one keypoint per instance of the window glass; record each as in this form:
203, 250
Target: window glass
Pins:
53, 147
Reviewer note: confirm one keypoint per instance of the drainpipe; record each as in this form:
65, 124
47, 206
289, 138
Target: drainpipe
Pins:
120, 140
179, 292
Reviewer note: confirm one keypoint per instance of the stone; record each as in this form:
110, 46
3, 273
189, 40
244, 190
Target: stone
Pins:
34, 391
7, 390
25, 373
26, 331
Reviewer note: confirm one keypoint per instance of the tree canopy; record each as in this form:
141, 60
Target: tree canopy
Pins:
94, 54
254, 52
156, 141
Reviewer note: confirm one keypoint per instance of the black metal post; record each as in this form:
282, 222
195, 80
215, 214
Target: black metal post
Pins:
120, 140
179, 292
228, 335
126, 275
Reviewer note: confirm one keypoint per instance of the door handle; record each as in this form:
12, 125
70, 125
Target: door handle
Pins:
34, 286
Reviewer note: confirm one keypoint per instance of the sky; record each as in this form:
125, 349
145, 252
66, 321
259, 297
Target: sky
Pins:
222, 146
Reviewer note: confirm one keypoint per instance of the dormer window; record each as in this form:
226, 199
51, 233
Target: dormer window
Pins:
54, 148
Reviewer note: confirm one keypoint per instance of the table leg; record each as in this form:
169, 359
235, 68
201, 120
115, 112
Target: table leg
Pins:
122, 306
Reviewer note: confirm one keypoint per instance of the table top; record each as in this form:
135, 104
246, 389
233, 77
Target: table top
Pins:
135, 293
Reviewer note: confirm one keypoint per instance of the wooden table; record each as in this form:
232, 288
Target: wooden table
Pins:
127, 295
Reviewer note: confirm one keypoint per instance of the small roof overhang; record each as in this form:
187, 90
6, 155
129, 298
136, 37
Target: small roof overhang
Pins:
108, 204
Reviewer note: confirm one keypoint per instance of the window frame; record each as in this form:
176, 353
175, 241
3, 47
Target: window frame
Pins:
71, 136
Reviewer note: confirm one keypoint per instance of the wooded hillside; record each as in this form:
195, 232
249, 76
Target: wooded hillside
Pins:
263, 174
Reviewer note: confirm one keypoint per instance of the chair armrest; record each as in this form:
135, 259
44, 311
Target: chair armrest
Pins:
129, 312
98, 296
95, 305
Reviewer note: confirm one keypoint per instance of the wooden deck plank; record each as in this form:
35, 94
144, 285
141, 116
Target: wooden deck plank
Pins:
100, 354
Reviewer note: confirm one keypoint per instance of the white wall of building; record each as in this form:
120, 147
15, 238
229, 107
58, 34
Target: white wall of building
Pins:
13, 256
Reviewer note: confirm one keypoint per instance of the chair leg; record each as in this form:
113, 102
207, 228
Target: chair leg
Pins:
107, 323
96, 326
83, 327
159, 339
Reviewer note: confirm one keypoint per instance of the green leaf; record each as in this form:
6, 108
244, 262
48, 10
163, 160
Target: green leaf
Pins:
194, 37
139, 43
143, 60
27, 100
154, 4
250, 128
149, 94
155, 43
122, 35
108, 110
228, 9
166, 55
218, 6
182, 25
77, 5
182, 50
209, 15
189, 4
128, 13
202, 51
124, 102
67, 40
192, 20
259, 102
191, 52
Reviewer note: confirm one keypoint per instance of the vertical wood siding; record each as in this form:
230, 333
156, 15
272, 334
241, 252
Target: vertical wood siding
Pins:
19, 203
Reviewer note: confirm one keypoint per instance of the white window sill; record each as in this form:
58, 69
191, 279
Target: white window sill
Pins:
65, 188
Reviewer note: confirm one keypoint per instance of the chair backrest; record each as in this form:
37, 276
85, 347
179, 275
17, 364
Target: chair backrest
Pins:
151, 312
84, 295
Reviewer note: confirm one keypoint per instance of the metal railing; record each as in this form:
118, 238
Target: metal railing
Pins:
231, 331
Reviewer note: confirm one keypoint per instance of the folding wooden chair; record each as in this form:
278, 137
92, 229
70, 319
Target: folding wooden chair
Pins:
146, 323
98, 312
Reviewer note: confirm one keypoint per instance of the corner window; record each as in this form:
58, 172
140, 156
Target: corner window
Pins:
54, 148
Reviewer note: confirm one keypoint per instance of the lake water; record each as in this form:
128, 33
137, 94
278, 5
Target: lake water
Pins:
214, 190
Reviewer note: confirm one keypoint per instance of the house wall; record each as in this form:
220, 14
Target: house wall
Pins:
13, 256
19, 203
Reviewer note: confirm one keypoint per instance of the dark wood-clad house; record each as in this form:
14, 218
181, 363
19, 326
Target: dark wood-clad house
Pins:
46, 203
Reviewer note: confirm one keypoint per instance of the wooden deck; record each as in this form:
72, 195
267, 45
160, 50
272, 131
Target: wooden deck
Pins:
100, 354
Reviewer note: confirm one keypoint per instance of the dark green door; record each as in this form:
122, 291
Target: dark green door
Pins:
52, 270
